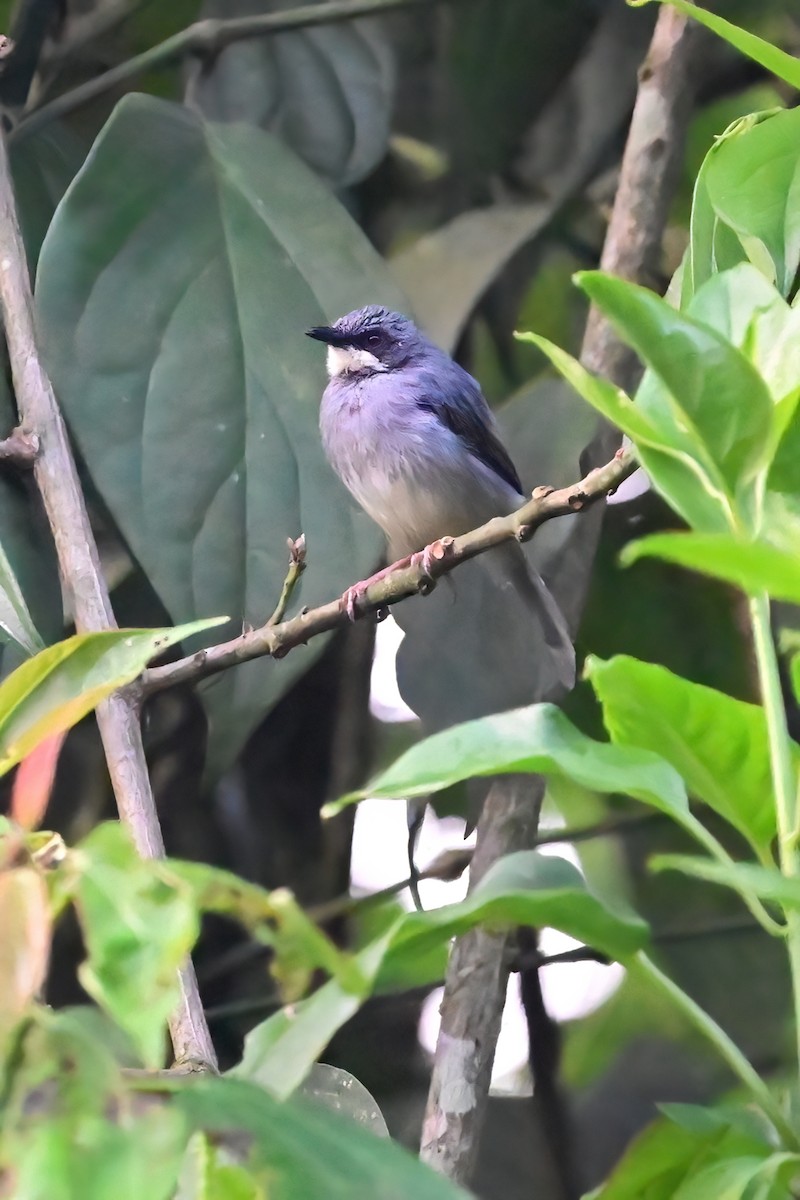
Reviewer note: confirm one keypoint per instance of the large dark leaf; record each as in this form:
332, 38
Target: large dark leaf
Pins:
174, 287
326, 91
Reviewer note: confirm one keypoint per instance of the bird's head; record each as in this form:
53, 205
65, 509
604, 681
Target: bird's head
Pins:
367, 341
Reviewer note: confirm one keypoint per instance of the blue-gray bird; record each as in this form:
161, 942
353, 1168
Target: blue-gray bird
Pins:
410, 434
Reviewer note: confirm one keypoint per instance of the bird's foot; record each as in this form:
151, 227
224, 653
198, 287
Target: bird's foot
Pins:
356, 593
425, 559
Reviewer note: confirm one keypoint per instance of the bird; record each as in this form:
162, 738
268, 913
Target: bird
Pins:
410, 434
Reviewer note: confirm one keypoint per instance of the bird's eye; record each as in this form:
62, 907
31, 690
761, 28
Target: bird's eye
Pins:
374, 339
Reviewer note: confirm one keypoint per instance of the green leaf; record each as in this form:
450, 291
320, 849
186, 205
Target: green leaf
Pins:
174, 287
538, 739
752, 315
15, 619
279, 1052
305, 1152
746, 878
85, 1138
755, 567
753, 183
718, 395
718, 745
208, 1175
326, 91
784, 65
138, 930
690, 481
30, 593
524, 888
51, 692
273, 917
665, 1156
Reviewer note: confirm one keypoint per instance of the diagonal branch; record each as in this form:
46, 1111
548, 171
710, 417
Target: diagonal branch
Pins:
57, 480
276, 640
206, 39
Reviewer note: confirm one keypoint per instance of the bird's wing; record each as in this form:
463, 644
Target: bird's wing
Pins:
458, 403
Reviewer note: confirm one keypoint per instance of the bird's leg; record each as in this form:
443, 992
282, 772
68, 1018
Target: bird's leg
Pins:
358, 590
424, 559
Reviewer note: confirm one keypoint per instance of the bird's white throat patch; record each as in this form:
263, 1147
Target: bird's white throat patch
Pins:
344, 360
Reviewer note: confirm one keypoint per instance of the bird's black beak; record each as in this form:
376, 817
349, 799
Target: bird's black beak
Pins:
324, 333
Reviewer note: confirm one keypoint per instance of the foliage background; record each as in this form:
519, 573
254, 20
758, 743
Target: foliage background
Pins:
475, 145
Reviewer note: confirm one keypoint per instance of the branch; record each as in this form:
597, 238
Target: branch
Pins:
206, 39
297, 564
405, 580
477, 974
19, 448
79, 565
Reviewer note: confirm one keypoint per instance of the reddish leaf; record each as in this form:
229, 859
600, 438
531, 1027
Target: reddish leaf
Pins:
33, 782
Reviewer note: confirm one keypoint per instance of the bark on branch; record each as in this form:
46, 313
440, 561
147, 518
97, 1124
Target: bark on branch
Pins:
276, 640
57, 481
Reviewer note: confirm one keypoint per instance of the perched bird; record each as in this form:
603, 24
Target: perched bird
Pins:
410, 434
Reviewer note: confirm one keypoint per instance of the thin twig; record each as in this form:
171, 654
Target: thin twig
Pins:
477, 974
297, 564
57, 481
206, 39
408, 580
19, 448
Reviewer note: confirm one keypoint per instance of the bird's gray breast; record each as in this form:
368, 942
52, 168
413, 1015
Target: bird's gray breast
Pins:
413, 476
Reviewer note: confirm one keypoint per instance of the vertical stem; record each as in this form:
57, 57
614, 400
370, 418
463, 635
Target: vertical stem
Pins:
475, 993
79, 566
783, 778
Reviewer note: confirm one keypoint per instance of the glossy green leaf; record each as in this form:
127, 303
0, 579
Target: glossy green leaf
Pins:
538, 739
138, 930
306, 1152
753, 183
666, 1156
524, 888
752, 315
681, 471
765, 882
717, 744
326, 91
753, 566
15, 619
718, 396
174, 288
733, 1178
51, 692
784, 65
